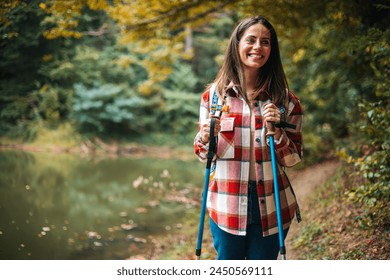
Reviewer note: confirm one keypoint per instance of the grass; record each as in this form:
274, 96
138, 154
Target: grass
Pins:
182, 245
62, 135
333, 229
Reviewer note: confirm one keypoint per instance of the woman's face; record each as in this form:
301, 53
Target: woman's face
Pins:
255, 47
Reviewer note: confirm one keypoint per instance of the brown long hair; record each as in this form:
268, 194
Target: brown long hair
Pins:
271, 80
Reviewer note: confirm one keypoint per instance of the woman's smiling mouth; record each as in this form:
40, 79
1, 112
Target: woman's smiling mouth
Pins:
255, 55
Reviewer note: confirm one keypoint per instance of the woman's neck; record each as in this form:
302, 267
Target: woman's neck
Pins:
251, 83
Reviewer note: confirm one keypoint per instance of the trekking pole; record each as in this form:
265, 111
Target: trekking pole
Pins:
210, 156
270, 134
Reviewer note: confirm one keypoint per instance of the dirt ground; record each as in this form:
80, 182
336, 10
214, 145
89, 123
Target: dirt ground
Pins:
303, 182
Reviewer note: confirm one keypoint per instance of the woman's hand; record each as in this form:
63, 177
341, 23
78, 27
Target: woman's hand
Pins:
205, 129
271, 113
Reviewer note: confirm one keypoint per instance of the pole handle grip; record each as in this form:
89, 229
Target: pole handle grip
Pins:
270, 129
210, 154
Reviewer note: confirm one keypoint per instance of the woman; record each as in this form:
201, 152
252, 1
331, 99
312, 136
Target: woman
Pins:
250, 90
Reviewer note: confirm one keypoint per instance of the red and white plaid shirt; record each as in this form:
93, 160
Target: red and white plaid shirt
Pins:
228, 189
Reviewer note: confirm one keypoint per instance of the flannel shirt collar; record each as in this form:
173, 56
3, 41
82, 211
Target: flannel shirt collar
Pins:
231, 91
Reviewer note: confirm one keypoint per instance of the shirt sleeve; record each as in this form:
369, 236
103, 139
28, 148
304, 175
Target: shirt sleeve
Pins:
200, 148
289, 148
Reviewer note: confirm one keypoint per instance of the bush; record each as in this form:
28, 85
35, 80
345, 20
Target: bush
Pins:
106, 107
373, 166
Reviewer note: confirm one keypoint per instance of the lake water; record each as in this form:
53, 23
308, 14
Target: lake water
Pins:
61, 206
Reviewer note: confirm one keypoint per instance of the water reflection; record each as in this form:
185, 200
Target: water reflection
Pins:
65, 207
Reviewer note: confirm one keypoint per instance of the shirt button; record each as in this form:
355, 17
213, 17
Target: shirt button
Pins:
262, 201
256, 104
258, 140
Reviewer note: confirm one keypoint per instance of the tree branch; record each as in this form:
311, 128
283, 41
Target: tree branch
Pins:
100, 32
180, 9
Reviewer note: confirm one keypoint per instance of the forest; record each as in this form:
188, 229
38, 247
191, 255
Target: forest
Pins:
116, 71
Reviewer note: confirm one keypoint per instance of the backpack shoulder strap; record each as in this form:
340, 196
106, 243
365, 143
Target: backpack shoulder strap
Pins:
216, 105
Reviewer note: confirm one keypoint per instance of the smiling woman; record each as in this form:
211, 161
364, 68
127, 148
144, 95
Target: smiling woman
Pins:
250, 92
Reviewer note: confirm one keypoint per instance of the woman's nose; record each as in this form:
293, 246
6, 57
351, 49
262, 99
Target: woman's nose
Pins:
257, 45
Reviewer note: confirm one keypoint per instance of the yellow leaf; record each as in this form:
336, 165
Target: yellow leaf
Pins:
42, 6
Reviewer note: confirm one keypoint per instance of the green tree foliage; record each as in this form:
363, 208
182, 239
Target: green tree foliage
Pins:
22, 48
107, 108
181, 79
369, 153
178, 115
36, 77
209, 45
334, 68
157, 27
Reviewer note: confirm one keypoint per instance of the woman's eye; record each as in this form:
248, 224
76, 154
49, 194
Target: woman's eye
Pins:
265, 42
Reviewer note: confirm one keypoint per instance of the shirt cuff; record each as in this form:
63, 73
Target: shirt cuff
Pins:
277, 142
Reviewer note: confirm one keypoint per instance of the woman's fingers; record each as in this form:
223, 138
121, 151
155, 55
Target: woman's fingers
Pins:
271, 113
206, 129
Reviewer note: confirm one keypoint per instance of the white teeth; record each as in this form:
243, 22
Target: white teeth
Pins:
256, 55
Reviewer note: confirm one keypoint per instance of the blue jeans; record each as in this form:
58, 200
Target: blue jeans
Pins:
253, 246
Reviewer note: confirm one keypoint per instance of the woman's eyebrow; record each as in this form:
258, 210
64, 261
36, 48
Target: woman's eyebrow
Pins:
250, 36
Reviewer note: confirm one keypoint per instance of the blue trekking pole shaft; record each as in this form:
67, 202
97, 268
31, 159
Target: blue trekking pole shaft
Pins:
276, 190
210, 156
